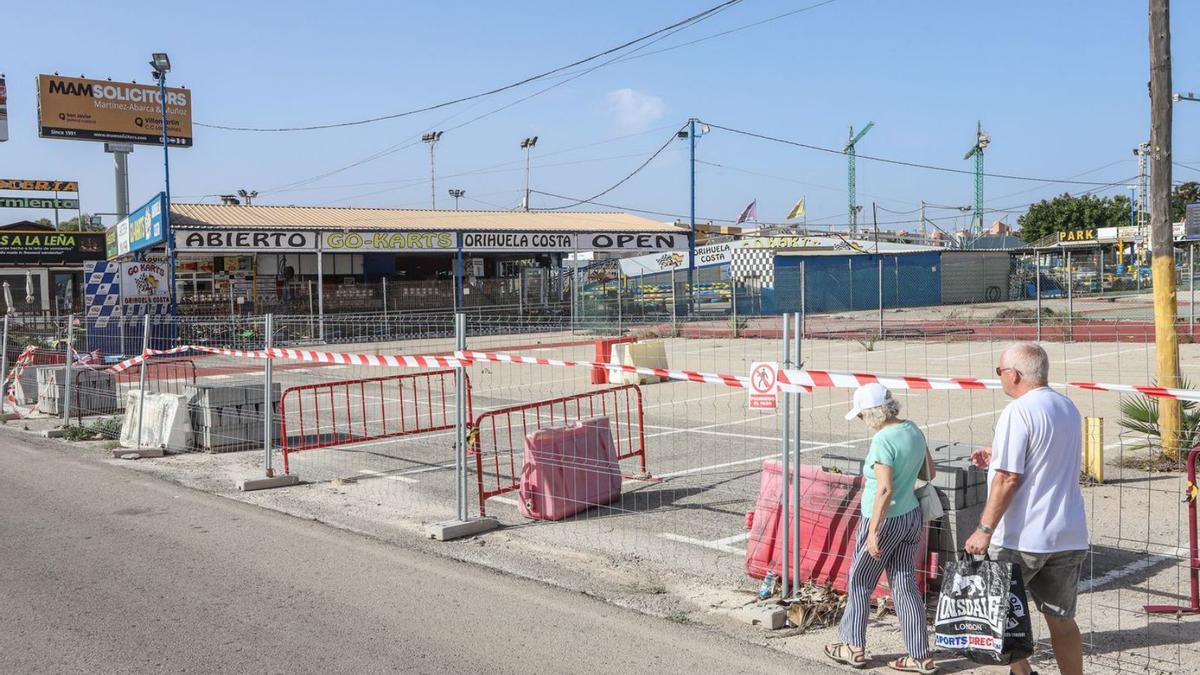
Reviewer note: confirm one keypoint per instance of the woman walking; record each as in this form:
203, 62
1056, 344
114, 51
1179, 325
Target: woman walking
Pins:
889, 534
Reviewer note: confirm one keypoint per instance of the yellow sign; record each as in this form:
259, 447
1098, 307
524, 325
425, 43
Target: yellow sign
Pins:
100, 110
39, 185
390, 241
1072, 236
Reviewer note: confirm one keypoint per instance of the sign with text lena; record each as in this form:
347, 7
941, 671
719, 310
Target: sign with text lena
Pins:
142, 229
79, 109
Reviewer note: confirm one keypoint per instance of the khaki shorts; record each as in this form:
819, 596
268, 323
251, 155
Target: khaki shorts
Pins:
1052, 579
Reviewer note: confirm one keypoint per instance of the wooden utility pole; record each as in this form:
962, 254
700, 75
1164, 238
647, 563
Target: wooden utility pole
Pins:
1162, 244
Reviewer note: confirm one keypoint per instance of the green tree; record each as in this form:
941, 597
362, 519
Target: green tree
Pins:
1181, 196
1065, 213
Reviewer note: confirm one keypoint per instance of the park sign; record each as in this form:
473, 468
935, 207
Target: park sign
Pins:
142, 229
80, 109
1077, 236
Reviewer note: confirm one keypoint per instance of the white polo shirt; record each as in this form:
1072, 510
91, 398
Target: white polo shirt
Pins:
1040, 436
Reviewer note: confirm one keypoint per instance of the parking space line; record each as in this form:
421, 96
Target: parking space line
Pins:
715, 545
402, 479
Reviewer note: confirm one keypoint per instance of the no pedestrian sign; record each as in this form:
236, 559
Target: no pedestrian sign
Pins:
764, 376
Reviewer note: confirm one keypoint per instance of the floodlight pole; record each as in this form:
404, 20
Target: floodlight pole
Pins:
166, 216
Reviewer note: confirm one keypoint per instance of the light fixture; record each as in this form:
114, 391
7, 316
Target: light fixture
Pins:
529, 142
161, 64
432, 136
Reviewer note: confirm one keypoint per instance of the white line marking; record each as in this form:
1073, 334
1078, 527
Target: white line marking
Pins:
1123, 571
700, 542
734, 539
402, 479
504, 500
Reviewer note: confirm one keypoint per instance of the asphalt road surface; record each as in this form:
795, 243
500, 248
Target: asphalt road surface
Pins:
105, 570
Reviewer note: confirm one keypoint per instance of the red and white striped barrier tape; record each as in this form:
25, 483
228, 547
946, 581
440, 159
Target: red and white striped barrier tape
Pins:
790, 380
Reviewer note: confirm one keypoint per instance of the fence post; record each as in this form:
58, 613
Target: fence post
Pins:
385, 302
785, 519
674, 305
733, 304
803, 312
268, 396
796, 414
4, 365
1070, 296
66, 407
619, 301
461, 421
1037, 279
880, 297
142, 378
1192, 290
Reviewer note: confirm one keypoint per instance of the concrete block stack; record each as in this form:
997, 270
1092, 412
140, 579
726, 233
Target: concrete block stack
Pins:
93, 392
961, 485
228, 417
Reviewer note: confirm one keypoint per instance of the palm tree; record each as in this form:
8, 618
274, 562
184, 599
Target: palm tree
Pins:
1140, 415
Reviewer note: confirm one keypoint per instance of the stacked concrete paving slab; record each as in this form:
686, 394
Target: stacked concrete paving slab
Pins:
93, 392
228, 417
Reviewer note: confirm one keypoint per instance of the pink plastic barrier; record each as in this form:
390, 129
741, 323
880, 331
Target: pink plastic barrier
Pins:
568, 469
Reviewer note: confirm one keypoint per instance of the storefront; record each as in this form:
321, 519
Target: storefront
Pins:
43, 267
234, 258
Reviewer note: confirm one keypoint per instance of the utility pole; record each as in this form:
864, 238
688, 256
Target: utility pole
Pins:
1143, 191
1162, 245
527, 146
457, 193
924, 230
432, 138
851, 176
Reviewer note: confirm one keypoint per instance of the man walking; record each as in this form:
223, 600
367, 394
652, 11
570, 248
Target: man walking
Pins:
1034, 516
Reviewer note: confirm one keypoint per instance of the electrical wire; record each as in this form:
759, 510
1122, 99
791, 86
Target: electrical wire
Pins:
621, 182
690, 21
915, 165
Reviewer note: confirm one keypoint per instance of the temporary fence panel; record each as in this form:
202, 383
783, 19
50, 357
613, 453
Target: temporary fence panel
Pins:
498, 436
344, 412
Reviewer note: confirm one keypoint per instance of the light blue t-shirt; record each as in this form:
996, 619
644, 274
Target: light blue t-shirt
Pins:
901, 446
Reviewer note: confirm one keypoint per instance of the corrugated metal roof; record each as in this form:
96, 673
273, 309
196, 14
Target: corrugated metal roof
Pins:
331, 218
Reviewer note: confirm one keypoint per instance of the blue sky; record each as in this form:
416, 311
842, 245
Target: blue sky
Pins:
1059, 86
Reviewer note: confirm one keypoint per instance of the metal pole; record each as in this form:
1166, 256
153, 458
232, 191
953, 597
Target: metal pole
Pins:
121, 174
310, 308
385, 299
166, 216
733, 305
1037, 276
803, 314
70, 358
1100, 270
796, 414
674, 305
785, 518
1070, 293
4, 364
1192, 289
142, 378
458, 274
268, 396
880, 261
692, 212
619, 317
321, 293
460, 407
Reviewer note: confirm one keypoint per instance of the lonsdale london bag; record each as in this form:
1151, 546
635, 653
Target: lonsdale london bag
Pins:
983, 613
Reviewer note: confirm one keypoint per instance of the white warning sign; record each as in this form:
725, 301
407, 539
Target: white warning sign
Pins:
764, 378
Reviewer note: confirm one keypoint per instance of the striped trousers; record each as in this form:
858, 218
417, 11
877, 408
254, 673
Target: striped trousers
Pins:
899, 538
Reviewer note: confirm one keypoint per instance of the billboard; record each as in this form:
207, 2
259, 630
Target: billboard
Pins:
33, 185
3, 111
245, 241
38, 203
49, 246
143, 228
99, 110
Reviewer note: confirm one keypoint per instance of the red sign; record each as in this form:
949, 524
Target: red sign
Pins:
764, 377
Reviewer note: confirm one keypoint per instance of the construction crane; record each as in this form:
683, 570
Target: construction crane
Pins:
976, 151
850, 179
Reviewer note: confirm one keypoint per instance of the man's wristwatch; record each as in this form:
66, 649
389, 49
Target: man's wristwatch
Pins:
985, 529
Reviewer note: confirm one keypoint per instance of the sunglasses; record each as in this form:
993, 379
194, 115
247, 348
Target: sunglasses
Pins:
1000, 371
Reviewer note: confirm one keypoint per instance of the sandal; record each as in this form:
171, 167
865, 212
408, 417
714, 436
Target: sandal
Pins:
844, 653
907, 664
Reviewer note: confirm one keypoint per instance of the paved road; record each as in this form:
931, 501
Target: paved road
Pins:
105, 570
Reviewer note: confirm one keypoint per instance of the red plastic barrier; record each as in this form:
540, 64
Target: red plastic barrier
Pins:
829, 517
330, 414
498, 436
604, 354
1193, 547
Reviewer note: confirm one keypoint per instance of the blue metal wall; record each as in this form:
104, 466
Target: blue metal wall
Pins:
838, 283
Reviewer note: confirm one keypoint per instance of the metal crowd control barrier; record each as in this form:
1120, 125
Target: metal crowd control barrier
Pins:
1193, 546
331, 414
497, 435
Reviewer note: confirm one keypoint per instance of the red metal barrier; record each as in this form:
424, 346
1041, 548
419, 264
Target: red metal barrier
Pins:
1193, 546
330, 414
498, 436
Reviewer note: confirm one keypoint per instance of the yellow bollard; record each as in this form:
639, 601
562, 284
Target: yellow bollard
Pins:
1093, 448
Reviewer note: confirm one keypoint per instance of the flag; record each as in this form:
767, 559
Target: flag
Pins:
797, 210
749, 213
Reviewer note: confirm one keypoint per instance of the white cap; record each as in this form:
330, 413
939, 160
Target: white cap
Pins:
868, 396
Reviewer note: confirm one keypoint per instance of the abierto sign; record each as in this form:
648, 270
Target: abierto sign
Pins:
246, 241
99, 110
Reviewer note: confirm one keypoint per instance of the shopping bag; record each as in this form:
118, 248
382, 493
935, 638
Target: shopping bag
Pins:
983, 613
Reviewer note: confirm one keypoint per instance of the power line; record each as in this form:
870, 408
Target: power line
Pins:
692, 20
619, 183
915, 165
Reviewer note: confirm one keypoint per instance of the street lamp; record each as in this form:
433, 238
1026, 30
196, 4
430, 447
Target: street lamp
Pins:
248, 196
527, 146
161, 64
1184, 97
456, 193
432, 138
